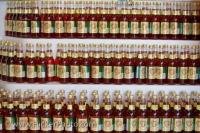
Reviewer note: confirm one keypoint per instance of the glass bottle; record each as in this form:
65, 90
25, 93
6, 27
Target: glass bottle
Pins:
82, 116
197, 115
16, 19
117, 64
177, 115
3, 62
19, 65
57, 115
183, 64
51, 72
31, 66
8, 18
46, 116
35, 20
85, 67
107, 115
10, 64
22, 116
60, 48
195, 24
96, 70
63, 70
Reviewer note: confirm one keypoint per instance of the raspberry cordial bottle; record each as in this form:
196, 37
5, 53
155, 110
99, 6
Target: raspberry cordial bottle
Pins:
51, 72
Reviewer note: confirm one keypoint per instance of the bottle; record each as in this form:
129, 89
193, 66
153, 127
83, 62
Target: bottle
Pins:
85, 67
107, 65
177, 115
142, 115
41, 66
8, 18
16, 19
129, 65
96, 70
10, 64
35, 20
107, 115
183, 64
9, 116
117, 64
154, 114
34, 116
95, 115
1, 117
193, 65
30, 62
82, 115
188, 115
22, 116
3, 62
63, 70
60, 48
58, 17
195, 24
19, 65
119, 121
140, 66
46, 116
131, 121
57, 115
166, 115
197, 115
51, 72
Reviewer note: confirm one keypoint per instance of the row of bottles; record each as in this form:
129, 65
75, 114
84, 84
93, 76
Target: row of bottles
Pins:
139, 112
103, 19
92, 63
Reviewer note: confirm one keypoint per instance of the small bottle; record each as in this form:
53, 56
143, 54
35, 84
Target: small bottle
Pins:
3, 62
1, 117
51, 72
197, 115
8, 17
10, 64
195, 24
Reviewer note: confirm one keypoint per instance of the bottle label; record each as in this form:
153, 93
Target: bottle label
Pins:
187, 27
144, 27
84, 72
31, 71
93, 27
107, 124
151, 72
58, 124
195, 28
10, 123
23, 123
96, 72
74, 72
11, 70
134, 28
129, 72
50, 70
19, 71
70, 26
59, 27
69, 124
117, 72
188, 124
131, 124
95, 124
154, 124
164, 28
63, 71
41, 71
4, 69
183, 72
166, 124
178, 124
18, 26
14, 25
114, 27
119, 124
161, 72
171, 73
81, 27
8, 25
25, 27
46, 124
197, 125
82, 125
47, 27
1, 123
35, 26
174, 28
156, 28
141, 72
124, 27
103, 27
143, 124
192, 73
107, 72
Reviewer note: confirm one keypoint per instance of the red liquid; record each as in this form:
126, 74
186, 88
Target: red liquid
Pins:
96, 69
4, 66
82, 117
156, 18
154, 114
177, 118
129, 70
135, 20
85, 69
69, 22
183, 64
107, 69
35, 24
64, 69
22, 116
166, 115
188, 115
161, 64
175, 21
124, 25
151, 69
57, 61
114, 24
57, 115
10, 68
144, 26
172, 64
140, 69
165, 24
15, 17
93, 19
9, 115
119, 118
59, 25
82, 27
46, 118
25, 18
20, 68
193, 70
117, 64
131, 115
8, 19
50, 68
197, 117
95, 115
103, 25
195, 19
74, 68
187, 23
142, 115
69, 114
34, 120
30, 70
41, 69
107, 117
